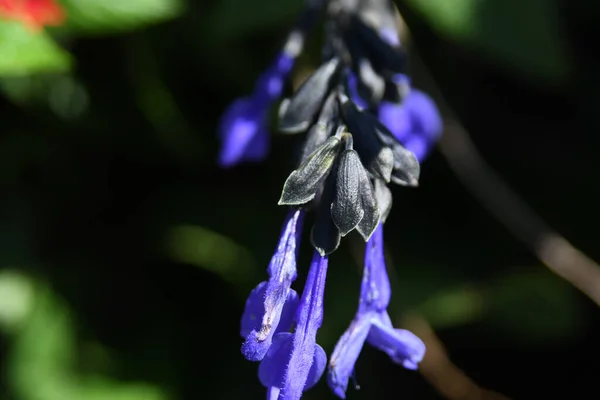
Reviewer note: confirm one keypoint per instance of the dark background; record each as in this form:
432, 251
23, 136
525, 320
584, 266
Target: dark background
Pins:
126, 254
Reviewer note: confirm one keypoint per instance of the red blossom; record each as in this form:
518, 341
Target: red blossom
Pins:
35, 14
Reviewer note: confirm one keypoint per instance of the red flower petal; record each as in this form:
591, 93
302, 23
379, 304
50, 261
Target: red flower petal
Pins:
36, 14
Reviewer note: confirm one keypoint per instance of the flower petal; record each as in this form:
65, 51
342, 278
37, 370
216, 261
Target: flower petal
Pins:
241, 124
282, 272
279, 301
259, 149
317, 368
254, 310
270, 83
284, 259
308, 321
419, 145
288, 313
375, 289
346, 352
424, 116
353, 91
395, 117
259, 340
402, 346
272, 369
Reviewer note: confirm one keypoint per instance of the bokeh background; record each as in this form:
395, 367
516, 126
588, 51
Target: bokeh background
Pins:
126, 254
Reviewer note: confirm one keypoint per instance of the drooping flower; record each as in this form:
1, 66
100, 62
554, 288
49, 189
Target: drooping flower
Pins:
364, 127
35, 14
244, 128
415, 121
295, 362
271, 306
372, 324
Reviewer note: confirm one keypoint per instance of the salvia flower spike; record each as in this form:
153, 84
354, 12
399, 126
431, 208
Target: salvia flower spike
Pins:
362, 127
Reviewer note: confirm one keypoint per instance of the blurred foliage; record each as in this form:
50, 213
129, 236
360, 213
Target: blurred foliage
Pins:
235, 18
25, 52
195, 245
126, 254
44, 366
493, 28
113, 16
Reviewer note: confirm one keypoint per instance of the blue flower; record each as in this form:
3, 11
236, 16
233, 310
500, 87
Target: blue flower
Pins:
271, 306
353, 90
244, 129
415, 121
363, 127
295, 362
372, 324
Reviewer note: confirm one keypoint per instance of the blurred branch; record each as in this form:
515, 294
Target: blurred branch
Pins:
551, 248
437, 368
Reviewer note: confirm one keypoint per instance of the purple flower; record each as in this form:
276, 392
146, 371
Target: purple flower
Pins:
295, 362
372, 324
415, 122
353, 90
271, 306
347, 159
244, 126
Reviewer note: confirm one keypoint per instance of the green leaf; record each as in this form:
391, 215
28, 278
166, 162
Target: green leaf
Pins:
523, 35
106, 389
529, 305
24, 52
534, 308
45, 351
454, 306
210, 250
16, 299
61, 93
111, 16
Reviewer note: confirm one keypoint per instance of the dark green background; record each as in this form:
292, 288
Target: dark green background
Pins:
137, 252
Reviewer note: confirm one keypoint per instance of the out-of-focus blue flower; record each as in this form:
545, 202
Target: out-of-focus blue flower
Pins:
353, 90
415, 121
271, 306
295, 362
372, 324
244, 126
352, 111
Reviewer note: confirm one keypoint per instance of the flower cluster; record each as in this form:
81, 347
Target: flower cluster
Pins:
364, 127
